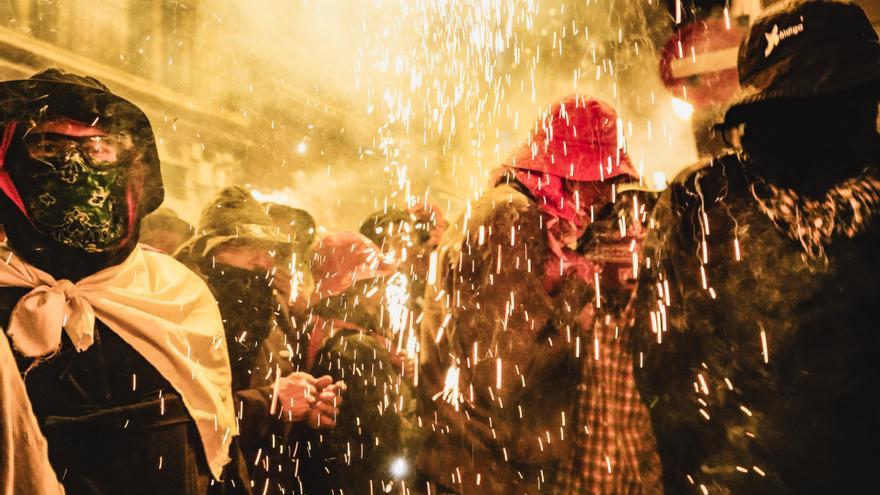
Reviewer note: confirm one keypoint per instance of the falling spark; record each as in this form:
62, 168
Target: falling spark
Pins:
451, 392
397, 303
274, 406
635, 265
764, 351
432, 268
442, 327
703, 386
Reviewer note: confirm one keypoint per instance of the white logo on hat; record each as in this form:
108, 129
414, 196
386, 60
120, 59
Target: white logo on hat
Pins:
775, 36
772, 40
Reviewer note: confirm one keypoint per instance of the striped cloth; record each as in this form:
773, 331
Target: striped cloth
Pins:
618, 453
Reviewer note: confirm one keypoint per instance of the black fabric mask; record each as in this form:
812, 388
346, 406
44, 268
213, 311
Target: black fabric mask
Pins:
247, 304
808, 145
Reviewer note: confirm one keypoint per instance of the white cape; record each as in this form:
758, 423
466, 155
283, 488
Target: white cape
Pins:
157, 306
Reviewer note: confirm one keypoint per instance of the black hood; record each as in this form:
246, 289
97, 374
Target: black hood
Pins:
55, 94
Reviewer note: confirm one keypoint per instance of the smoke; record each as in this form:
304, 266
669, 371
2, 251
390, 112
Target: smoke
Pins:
436, 93
342, 107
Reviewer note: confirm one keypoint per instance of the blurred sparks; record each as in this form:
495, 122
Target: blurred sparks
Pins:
436, 94
435, 91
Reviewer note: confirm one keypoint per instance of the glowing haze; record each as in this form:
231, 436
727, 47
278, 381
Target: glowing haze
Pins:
353, 105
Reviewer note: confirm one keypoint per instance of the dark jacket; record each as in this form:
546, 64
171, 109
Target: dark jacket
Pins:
497, 441
263, 344
764, 377
113, 423
371, 448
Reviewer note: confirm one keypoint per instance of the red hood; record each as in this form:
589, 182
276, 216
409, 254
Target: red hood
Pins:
341, 259
578, 139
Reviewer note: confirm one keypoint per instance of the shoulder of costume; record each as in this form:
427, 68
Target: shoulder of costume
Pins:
705, 182
497, 209
501, 204
695, 189
161, 260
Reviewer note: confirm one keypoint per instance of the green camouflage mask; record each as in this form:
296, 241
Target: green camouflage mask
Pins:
75, 188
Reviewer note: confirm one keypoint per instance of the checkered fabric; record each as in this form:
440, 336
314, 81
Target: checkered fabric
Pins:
845, 211
618, 453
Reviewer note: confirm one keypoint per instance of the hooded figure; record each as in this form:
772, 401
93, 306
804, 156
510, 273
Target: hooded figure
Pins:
371, 448
123, 350
299, 227
526, 363
244, 259
296, 224
164, 230
757, 335
409, 237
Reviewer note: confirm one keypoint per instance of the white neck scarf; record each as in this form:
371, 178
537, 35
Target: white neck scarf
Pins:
157, 306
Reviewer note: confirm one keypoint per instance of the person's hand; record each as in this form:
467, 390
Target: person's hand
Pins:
322, 414
296, 395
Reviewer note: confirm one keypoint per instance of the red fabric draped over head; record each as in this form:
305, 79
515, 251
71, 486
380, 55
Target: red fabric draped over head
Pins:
577, 139
6, 184
341, 259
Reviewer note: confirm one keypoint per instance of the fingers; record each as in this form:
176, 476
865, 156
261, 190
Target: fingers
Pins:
299, 404
331, 399
323, 413
302, 376
323, 381
326, 408
328, 401
296, 409
309, 390
332, 393
327, 422
297, 389
321, 421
